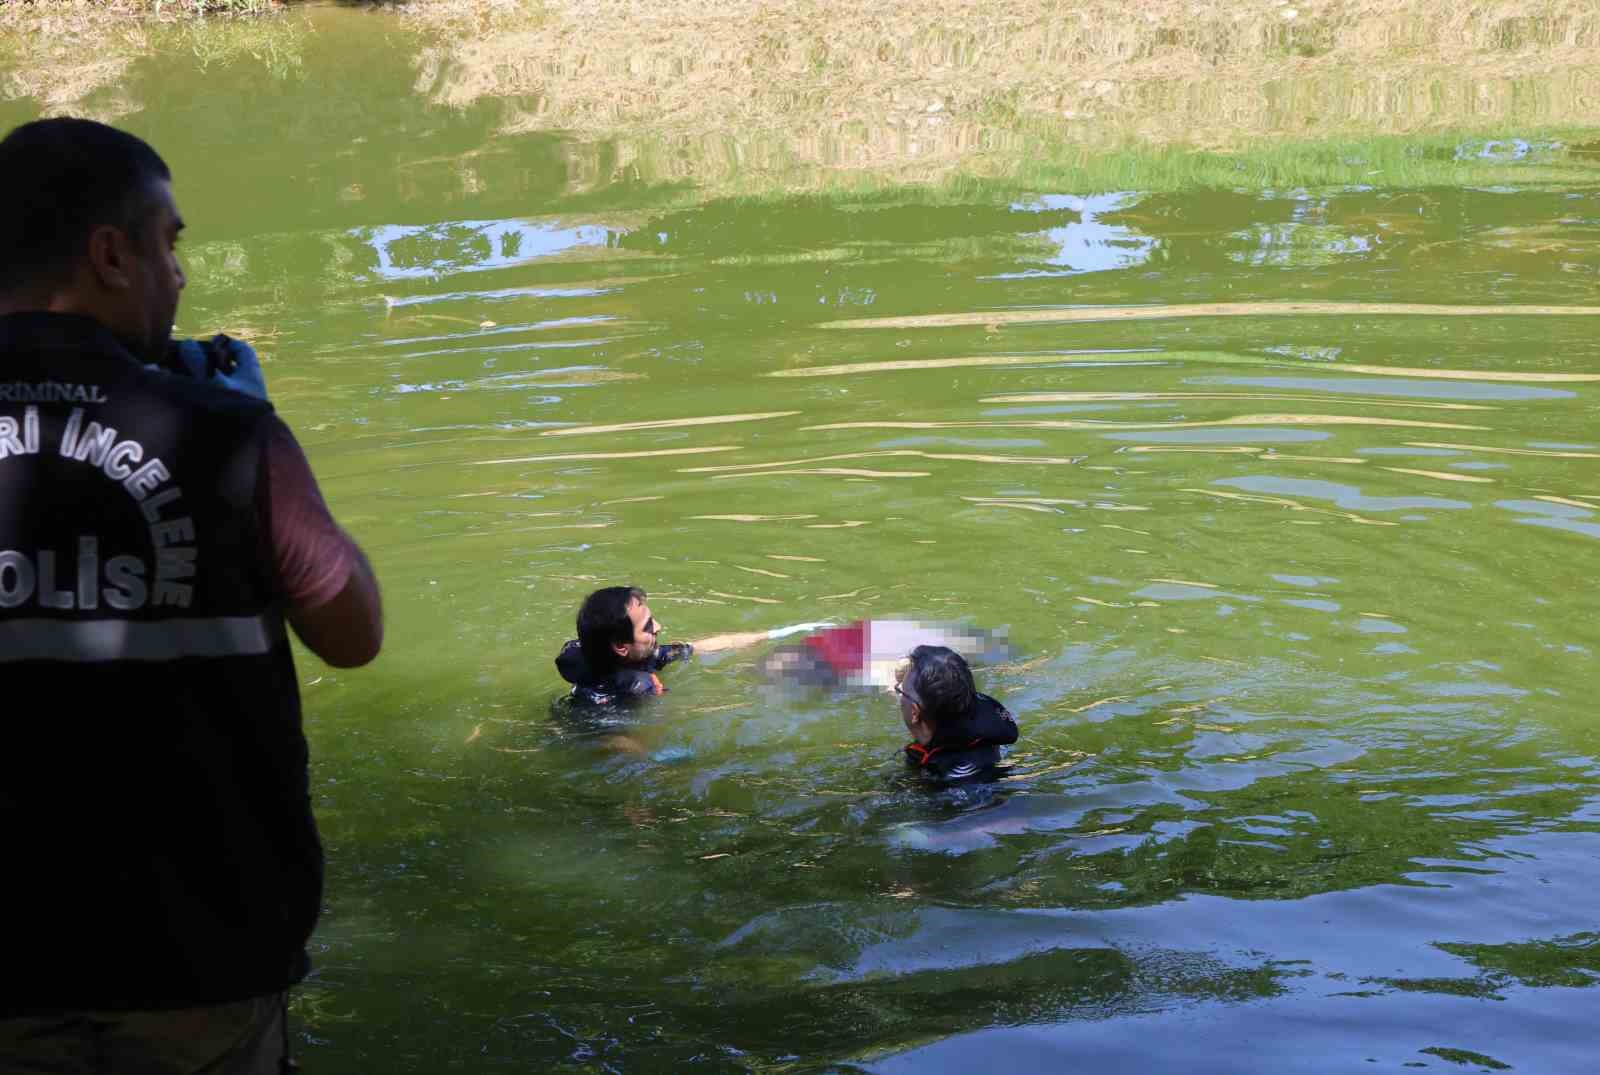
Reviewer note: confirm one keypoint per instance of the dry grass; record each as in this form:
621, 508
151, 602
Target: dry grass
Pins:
735, 94
24, 13
71, 55
693, 86
60, 53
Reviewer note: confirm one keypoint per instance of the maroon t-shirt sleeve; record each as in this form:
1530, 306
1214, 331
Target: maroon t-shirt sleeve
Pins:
311, 557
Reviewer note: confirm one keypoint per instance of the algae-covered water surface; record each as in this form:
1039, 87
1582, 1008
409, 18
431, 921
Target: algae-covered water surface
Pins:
1278, 463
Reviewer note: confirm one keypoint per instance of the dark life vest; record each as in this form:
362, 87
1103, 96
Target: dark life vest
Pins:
620, 683
967, 748
160, 848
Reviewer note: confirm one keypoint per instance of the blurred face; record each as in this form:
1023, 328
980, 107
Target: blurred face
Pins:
645, 632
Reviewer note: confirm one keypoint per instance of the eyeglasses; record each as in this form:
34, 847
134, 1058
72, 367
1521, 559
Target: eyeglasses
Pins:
902, 692
651, 627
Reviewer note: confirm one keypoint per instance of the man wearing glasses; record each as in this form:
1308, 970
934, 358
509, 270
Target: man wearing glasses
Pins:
956, 732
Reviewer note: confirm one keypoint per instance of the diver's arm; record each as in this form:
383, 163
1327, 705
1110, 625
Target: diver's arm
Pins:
718, 643
741, 639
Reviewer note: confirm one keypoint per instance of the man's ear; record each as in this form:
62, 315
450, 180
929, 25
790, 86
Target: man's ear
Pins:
110, 255
619, 648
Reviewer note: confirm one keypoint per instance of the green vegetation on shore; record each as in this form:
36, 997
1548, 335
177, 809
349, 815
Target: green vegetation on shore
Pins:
1463, 157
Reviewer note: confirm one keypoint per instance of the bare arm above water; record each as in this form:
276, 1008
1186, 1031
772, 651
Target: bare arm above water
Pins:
741, 639
329, 587
347, 632
718, 643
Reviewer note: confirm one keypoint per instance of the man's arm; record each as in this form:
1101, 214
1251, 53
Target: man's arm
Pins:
742, 639
347, 632
717, 643
331, 591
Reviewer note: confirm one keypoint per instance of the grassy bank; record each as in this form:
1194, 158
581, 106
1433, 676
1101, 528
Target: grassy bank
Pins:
15, 15
73, 56
879, 77
1102, 93
745, 97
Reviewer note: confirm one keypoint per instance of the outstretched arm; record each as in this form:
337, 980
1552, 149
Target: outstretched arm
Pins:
717, 643
742, 639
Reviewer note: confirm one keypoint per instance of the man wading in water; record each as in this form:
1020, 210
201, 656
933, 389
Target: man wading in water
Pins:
156, 532
617, 652
956, 732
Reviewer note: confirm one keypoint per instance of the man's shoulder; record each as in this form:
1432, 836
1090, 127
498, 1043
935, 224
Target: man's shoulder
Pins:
603, 687
992, 721
209, 395
71, 358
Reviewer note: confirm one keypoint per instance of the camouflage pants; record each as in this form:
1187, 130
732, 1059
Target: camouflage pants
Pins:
246, 1038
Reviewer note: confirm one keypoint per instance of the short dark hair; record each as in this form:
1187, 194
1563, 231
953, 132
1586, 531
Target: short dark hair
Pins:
942, 682
60, 179
602, 621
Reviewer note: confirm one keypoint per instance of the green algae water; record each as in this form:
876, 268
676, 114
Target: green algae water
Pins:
1287, 495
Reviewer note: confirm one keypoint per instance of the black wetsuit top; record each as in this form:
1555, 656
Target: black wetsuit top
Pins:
967, 748
620, 683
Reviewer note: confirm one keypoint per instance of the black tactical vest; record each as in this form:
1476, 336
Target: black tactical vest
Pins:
160, 850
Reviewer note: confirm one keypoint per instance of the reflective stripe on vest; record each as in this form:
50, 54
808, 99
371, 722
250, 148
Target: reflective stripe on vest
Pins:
129, 640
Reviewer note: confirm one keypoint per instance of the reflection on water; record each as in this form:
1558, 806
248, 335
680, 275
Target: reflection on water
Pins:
437, 250
1503, 450
949, 363
1439, 475
1404, 389
1216, 309
1286, 497
888, 452
918, 89
570, 456
666, 423
1232, 420
1344, 496
1569, 516
1090, 245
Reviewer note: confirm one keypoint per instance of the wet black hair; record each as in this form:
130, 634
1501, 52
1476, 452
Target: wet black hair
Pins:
603, 621
942, 682
60, 179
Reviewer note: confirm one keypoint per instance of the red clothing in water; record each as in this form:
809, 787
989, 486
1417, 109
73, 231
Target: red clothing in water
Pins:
843, 648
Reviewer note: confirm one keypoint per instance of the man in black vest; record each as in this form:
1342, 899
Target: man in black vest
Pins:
163, 870
618, 650
956, 732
